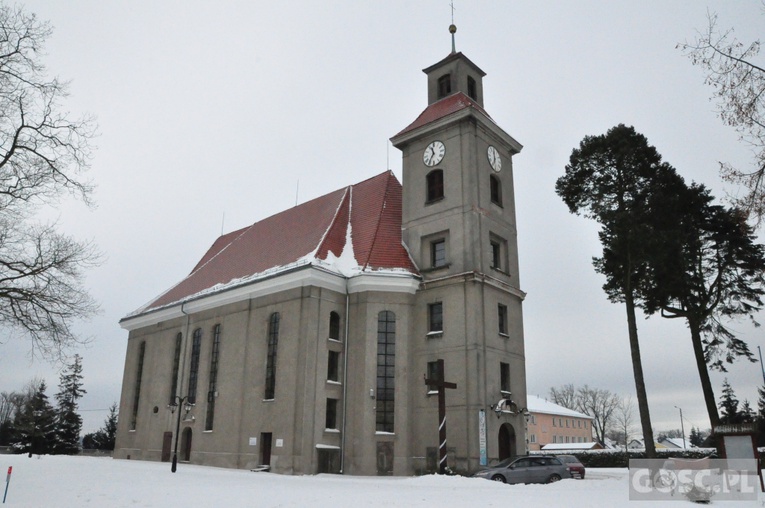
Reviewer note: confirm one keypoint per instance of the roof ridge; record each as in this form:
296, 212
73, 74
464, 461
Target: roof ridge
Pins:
378, 218
347, 194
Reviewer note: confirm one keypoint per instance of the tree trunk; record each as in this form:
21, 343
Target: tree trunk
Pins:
701, 365
637, 369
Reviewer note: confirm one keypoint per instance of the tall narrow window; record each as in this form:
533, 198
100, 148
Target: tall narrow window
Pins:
472, 89
444, 85
273, 341
176, 367
333, 366
137, 391
435, 317
331, 417
435, 185
386, 369
502, 318
334, 325
212, 390
438, 253
504, 377
496, 190
196, 348
496, 255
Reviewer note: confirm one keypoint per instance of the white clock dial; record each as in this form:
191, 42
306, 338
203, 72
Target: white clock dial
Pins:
433, 153
494, 159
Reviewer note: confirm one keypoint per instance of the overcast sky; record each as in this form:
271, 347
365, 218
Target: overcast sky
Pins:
214, 115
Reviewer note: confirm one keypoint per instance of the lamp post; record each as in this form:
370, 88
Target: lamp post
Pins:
682, 427
177, 402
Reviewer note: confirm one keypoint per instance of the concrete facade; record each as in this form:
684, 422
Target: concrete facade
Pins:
482, 348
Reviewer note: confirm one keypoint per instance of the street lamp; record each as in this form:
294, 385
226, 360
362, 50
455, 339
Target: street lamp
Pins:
682, 427
177, 402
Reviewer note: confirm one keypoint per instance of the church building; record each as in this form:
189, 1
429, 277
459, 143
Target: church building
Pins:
319, 350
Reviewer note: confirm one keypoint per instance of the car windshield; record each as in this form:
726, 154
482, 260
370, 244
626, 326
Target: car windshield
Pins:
505, 462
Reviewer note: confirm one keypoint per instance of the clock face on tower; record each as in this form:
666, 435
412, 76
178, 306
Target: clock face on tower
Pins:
494, 159
433, 153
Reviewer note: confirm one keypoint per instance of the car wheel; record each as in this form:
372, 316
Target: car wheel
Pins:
498, 478
553, 478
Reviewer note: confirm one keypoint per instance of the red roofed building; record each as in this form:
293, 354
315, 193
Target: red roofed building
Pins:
306, 352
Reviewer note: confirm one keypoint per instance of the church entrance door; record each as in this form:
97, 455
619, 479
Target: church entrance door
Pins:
506, 439
265, 448
186, 444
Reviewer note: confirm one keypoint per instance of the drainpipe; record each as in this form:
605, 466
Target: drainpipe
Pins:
345, 379
182, 368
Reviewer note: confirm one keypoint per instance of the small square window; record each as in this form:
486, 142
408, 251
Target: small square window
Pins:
436, 317
438, 253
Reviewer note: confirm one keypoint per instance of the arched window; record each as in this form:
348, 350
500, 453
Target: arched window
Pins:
196, 349
176, 367
435, 185
386, 369
273, 341
496, 190
137, 391
212, 390
444, 85
334, 325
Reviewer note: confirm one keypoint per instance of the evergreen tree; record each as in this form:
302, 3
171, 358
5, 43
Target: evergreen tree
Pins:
69, 422
35, 425
103, 438
729, 405
747, 414
620, 181
695, 437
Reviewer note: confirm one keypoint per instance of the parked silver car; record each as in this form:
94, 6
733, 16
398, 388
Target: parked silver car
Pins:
527, 469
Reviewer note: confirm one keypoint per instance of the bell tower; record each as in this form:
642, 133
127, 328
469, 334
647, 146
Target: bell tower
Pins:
458, 223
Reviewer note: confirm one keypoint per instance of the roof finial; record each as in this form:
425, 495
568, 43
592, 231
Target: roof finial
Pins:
453, 29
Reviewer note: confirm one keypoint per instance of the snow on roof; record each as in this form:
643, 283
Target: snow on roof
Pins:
538, 405
356, 229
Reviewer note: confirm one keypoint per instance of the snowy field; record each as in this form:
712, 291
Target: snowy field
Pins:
63, 482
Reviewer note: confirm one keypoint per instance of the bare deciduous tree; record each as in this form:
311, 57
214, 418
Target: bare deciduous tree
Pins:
739, 90
43, 156
565, 396
624, 419
598, 403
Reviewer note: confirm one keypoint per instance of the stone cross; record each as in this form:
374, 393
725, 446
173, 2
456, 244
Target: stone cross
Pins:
442, 386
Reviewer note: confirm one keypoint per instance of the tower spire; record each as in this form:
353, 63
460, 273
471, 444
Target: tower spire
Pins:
453, 29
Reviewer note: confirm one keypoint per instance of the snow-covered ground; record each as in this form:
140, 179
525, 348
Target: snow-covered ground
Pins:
62, 482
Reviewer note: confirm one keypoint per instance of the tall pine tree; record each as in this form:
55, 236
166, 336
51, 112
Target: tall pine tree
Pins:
69, 422
35, 425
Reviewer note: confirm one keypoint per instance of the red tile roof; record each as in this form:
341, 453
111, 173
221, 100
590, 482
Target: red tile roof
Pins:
308, 232
442, 108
